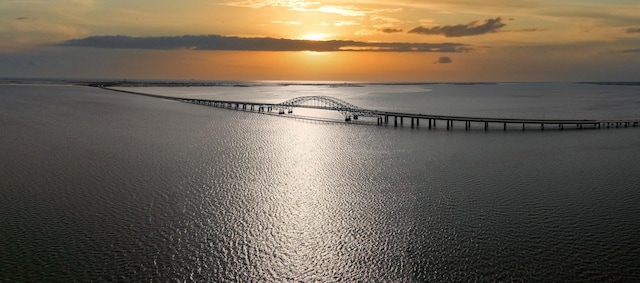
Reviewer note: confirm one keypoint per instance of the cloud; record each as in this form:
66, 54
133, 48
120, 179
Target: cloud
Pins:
633, 30
391, 30
217, 42
631, 51
443, 60
21, 18
302, 6
256, 4
470, 29
527, 30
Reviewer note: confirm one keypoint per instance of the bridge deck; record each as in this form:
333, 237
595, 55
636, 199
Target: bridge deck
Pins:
383, 117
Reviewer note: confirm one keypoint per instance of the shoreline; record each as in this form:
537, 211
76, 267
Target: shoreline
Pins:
238, 83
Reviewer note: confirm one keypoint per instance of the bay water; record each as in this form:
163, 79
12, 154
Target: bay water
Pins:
97, 185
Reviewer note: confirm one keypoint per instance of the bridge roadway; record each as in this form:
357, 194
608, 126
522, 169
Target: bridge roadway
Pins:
383, 117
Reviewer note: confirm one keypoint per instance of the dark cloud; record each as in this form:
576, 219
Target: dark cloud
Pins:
528, 30
470, 29
21, 18
633, 30
217, 42
443, 60
392, 30
631, 51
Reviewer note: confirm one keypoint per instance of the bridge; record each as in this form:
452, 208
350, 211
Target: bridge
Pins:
352, 112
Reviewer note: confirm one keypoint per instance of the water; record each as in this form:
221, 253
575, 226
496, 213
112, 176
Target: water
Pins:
105, 186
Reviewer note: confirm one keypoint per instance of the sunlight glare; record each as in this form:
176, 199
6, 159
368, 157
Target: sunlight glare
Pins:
315, 36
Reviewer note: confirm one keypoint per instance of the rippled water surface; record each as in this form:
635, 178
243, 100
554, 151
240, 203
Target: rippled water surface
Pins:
105, 186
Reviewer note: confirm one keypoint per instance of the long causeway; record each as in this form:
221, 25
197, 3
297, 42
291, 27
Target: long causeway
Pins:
398, 119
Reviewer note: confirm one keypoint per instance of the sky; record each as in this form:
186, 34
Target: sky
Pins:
351, 40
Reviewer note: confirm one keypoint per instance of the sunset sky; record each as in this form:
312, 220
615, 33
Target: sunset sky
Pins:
353, 40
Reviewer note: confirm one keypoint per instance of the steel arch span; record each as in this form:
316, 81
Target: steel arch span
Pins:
326, 103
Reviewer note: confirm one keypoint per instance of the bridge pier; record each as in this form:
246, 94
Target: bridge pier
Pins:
542, 126
401, 120
417, 122
486, 126
412, 122
395, 121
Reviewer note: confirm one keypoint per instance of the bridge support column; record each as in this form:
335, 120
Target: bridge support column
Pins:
542, 126
523, 126
505, 126
561, 126
486, 126
448, 122
417, 122
395, 121
466, 125
401, 120
412, 122
429, 124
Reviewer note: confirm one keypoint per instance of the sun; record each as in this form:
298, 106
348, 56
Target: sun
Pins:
314, 36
